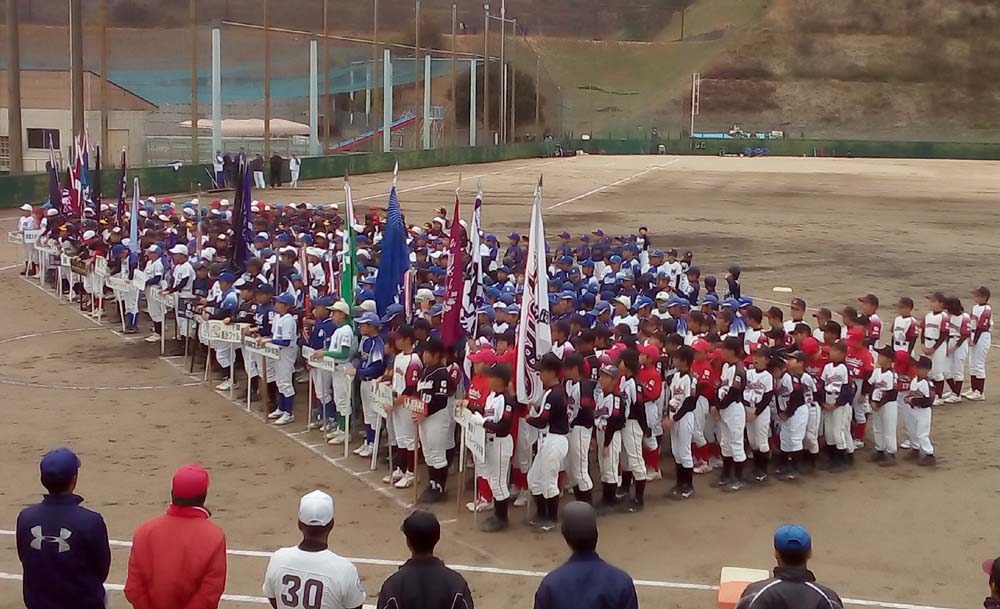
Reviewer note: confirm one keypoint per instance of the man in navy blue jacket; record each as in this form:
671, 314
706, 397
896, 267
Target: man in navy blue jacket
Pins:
585, 581
63, 547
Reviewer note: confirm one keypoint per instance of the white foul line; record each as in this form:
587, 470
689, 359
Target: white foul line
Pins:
644, 583
613, 184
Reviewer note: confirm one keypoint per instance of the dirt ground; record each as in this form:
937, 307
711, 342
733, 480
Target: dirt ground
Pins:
829, 229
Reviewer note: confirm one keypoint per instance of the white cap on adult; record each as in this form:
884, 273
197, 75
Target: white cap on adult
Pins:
316, 509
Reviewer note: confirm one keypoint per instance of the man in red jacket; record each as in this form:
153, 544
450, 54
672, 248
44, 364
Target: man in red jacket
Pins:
178, 560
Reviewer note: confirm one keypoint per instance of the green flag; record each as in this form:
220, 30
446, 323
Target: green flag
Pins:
349, 266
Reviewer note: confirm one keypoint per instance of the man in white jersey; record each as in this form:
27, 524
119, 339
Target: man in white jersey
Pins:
309, 575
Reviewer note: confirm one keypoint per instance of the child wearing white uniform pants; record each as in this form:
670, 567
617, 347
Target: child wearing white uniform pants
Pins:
959, 332
793, 417
758, 397
154, 283
885, 413
836, 403
731, 414
679, 421
982, 327
935, 339
497, 416
342, 347
609, 418
285, 336
920, 398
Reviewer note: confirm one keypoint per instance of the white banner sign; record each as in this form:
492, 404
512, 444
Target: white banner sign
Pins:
65, 260
475, 435
164, 300
327, 363
382, 397
225, 333
117, 284
30, 236
15, 237
267, 351
139, 280
101, 266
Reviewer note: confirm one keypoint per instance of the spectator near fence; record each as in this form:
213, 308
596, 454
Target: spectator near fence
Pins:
585, 581
63, 546
179, 559
424, 582
793, 585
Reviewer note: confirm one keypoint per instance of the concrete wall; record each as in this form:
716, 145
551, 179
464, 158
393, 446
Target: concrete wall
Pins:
132, 123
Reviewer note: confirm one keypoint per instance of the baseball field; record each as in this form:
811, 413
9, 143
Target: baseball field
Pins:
829, 229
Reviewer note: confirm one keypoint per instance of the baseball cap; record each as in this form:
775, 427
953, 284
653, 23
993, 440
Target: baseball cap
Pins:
286, 299
701, 346
342, 306
25, 207
58, 466
924, 363
189, 481
483, 356
887, 351
371, 319
792, 537
227, 277
661, 296
316, 509
650, 351
799, 355
798, 303
609, 369
823, 312
179, 249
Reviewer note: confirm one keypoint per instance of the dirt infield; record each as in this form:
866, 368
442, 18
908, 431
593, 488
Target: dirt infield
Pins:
829, 229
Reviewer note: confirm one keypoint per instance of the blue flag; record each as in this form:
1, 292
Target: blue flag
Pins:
395, 257
133, 230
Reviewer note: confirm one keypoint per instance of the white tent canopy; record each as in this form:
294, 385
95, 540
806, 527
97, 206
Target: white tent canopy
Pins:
253, 127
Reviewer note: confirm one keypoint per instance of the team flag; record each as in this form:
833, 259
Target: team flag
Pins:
534, 333
349, 265
473, 295
451, 323
395, 255
55, 193
133, 231
242, 222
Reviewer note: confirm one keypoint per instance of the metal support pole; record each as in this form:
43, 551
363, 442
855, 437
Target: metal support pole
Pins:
369, 87
313, 98
452, 138
416, 48
427, 101
375, 58
104, 73
487, 131
472, 103
538, 87
216, 88
503, 73
512, 132
14, 91
76, 64
328, 128
267, 80
387, 102
193, 17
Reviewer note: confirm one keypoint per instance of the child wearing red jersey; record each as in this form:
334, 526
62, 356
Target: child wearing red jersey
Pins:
902, 365
651, 384
479, 388
859, 367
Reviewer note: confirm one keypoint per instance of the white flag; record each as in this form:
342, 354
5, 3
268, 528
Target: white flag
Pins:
473, 295
534, 333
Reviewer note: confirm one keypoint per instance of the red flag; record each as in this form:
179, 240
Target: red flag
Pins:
451, 327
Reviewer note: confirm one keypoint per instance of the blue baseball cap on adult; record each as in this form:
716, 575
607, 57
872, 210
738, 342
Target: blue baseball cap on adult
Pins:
286, 299
58, 467
792, 537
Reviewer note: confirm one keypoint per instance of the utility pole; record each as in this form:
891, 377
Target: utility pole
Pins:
326, 77
486, 77
104, 73
503, 71
16, 162
194, 84
683, 13
267, 80
76, 64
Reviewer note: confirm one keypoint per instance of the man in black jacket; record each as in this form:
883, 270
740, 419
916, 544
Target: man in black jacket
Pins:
424, 582
793, 585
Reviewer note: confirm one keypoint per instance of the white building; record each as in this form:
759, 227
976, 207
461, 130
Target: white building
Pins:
45, 112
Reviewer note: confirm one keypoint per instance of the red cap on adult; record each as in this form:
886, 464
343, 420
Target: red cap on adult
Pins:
189, 481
